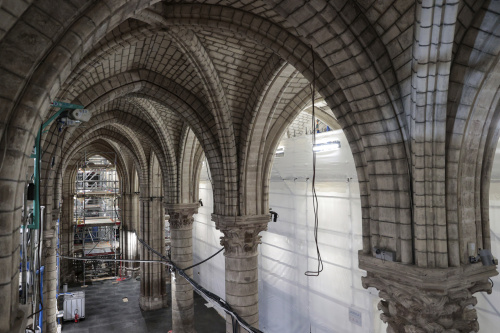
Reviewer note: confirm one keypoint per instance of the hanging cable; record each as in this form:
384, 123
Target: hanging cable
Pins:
314, 194
41, 226
235, 326
201, 262
114, 260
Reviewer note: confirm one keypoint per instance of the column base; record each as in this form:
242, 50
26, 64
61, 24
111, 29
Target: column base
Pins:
148, 303
421, 300
183, 322
21, 320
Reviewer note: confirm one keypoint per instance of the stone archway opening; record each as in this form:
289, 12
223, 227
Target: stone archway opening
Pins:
289, 301
488, 308
334, 300
206, 238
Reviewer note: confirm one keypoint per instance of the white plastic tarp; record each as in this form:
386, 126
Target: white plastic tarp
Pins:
289, 301
206, 241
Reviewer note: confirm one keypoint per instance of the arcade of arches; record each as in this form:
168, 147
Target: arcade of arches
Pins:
414, 85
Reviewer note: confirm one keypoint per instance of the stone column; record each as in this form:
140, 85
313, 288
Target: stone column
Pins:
134, 218
422, 300
240, 241
67, 238
181, 236
128, 205
49, 281
153, 289
123, 203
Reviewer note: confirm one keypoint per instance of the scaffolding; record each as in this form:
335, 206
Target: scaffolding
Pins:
96, 217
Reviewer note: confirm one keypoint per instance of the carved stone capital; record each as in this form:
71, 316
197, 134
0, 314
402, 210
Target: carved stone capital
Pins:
181, 215
421, 300
241, 233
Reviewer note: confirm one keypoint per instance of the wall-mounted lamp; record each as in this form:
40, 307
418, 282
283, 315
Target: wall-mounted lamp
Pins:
274, 214
327, 146
280, 152
485, 257
201, 202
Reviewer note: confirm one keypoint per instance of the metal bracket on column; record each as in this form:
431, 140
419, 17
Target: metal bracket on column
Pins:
37, 155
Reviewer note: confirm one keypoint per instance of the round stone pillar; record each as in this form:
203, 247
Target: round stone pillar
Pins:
49, 281
181, 238
66, 248
153, 286
129, 204
241, 239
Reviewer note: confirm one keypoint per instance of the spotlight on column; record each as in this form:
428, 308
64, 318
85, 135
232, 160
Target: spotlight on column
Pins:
274, 214
201, 202
487, 258
82, 115
280, 152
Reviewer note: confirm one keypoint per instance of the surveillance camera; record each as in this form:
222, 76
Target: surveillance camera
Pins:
80, 115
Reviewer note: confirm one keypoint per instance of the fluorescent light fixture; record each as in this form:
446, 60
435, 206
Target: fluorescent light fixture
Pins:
326, 146
280, 152
320, 104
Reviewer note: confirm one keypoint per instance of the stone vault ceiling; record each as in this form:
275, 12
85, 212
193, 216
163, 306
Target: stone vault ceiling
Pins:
135, 45
414, 85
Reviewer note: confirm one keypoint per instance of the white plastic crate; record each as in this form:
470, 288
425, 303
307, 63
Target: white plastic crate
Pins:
74, 303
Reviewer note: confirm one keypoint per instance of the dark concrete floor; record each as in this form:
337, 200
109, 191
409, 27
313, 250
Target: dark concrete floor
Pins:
105, 311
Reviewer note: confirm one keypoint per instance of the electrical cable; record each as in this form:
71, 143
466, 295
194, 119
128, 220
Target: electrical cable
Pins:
122, 260
40, 226
146, 245
222, 303
201, 262
235, 327
315, 196
34, 313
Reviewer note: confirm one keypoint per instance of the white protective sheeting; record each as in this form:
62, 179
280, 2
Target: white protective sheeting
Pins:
488, 306
206, 241
289, 301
